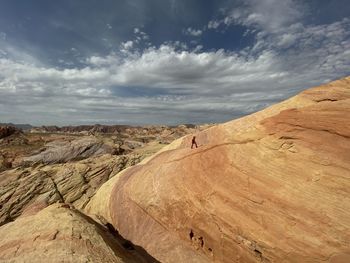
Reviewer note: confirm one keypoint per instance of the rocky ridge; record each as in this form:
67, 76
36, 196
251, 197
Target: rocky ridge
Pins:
66, 151
6, 131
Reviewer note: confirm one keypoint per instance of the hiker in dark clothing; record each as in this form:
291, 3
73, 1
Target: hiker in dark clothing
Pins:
194, 142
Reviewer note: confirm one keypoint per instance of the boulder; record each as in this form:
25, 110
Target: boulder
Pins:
61, 234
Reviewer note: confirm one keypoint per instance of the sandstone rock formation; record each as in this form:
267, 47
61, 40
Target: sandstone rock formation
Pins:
61, 234
149, 131
270, 187
39, 169
6, 131
9, 135
23, 127
65, 151
31, 189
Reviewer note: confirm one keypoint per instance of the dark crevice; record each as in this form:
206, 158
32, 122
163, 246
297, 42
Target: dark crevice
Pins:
191, 234
111, 229
287, 138
258, 253
326, 100
128, 245
8, 219
118, 239
56, 188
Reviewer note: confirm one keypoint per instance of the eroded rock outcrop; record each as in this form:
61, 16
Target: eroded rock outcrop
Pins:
28, 190
61, 234
6, 131
270, 187
65, 151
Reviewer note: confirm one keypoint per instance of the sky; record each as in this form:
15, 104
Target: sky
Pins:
73, 62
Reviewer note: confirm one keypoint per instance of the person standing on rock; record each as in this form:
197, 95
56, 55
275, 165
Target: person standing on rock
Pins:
194, 143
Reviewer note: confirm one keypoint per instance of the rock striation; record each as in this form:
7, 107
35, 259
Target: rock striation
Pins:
270, 187
28, 190
37, 170
65, 151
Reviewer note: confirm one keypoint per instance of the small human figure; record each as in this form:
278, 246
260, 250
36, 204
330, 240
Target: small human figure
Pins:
194, 142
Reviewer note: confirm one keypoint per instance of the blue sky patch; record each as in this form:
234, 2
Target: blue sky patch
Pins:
164, 61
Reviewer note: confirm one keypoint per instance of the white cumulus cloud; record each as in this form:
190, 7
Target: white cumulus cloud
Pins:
174, 83
193, 32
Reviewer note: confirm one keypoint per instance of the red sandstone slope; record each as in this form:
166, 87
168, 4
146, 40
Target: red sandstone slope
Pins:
270, 187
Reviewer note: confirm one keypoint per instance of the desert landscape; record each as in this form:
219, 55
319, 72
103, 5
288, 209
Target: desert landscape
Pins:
273, 186
44, 165
174, 131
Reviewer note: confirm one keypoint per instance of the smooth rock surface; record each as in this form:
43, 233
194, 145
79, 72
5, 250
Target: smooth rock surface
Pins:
61, 234
270, 187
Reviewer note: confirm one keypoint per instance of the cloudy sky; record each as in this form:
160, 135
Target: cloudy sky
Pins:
164, 61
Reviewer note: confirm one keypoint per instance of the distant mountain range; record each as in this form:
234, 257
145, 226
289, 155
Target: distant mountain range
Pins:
91, 128
19, 126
